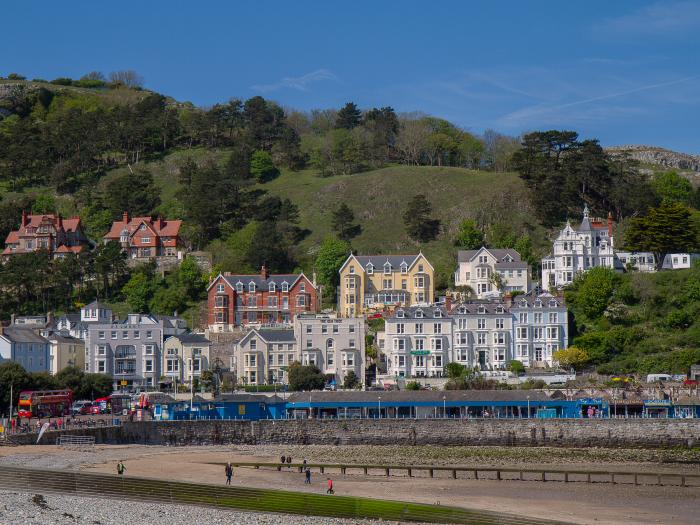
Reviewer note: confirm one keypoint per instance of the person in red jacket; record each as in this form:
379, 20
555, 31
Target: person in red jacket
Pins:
330, 487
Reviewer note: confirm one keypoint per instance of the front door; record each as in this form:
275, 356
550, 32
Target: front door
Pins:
483, 359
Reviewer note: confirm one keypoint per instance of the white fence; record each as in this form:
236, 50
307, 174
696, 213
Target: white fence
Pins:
70, 441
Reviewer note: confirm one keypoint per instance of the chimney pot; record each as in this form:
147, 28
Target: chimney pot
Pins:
125, 217
24, 218
263, 272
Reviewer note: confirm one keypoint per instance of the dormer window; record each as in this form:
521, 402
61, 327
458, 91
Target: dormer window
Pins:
370, 268
499, 309
482, 310
419, 314
387, 268
271, 287
462, 309
538, 303
285, 286
239, 287
404, 267
438, 313
523, 304
508, 258
399, 313
251, 287
553, 303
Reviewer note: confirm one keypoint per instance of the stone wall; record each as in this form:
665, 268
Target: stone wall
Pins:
552, 432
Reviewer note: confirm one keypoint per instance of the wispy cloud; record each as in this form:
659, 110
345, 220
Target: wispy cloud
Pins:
548, 111
662, 18
299, 83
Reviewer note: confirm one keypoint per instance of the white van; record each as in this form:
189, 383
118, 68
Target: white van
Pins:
655, 378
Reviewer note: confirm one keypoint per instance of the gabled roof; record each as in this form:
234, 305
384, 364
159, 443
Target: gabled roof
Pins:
191, 338
22, 335
261, 283
531, 298
271, 336
482, 308
378, 261
498, 253
161, 227
415, 312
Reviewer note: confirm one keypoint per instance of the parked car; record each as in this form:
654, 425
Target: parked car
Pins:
80, 407
95, 409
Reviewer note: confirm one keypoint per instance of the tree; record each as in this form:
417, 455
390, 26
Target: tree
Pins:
455, 370
469, 237
134, 192
138, 291
351, 381
572, 357
269, 248
413, 385
331, 256
420, 226
349, 116
12, 377
127, 78
592, 291
342, 223
665, 229
516, 367
262, 167
307, 377
671, 187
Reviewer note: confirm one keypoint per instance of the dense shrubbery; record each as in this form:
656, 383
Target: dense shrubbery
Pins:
657, 323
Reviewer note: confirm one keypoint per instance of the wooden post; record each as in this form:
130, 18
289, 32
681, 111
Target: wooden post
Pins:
544, 476
658, 478
521, 475
454, 474
387, 472
588, 477
498, 475
566, 477
342, 470
476, 474
636, 482
365, 469
322, 468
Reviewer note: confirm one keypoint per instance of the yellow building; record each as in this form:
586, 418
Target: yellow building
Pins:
65, 351
370, 283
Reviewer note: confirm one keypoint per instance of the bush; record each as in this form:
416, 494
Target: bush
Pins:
16, 76
62, 81
413, 385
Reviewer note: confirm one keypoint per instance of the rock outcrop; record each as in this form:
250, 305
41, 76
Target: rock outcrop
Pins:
659, 157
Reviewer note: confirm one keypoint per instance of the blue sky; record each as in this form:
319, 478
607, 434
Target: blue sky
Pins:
623, 72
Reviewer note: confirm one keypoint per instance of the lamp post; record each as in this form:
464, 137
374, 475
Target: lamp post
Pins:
379, 405
444, 406
528, 407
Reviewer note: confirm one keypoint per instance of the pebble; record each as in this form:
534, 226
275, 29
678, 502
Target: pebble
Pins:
52, 509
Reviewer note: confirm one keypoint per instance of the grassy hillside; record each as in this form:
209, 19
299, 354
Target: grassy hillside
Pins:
378, 198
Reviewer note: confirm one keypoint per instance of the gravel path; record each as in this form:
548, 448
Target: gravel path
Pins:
34, 509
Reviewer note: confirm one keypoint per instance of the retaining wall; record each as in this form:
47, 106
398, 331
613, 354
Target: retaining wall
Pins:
547, 432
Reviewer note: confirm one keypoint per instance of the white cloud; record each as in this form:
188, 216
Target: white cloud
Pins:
663, 18
299, 83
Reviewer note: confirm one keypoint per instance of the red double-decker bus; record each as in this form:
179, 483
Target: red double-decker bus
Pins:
44, 403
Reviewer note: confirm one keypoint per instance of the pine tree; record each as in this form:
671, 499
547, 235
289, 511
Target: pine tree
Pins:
349, 116
343, 219
420, 226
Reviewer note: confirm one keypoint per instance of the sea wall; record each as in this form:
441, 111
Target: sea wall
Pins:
517, 432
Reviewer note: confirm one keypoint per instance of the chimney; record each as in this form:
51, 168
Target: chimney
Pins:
508, 300
313, 278
159, 222
263, 272
448, 302
24, 218
125, 217
60, 222
610, 224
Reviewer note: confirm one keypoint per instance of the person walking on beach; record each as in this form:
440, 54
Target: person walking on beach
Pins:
307, 473
229, 473
121, 468
330, 487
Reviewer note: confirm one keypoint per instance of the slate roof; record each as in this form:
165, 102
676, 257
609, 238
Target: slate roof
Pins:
428, 312
192, 338
277, 336
64, 338
531, 297
513, 265
378, 261
473, 308
407, 396
22, 335
262, 283
498, 253
248, 398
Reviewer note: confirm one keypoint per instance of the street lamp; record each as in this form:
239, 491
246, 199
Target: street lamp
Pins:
379, 403
528, 407
444, 406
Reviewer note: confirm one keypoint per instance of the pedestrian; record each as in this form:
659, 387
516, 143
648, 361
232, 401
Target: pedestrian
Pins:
229, 473
121, 468
330, 487
283, 460
289, 460
307, 472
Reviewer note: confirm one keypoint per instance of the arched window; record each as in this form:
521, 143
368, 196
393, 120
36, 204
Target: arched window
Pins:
251, 287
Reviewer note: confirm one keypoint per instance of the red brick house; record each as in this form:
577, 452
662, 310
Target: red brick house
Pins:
239, 300
145, 237
50, 232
